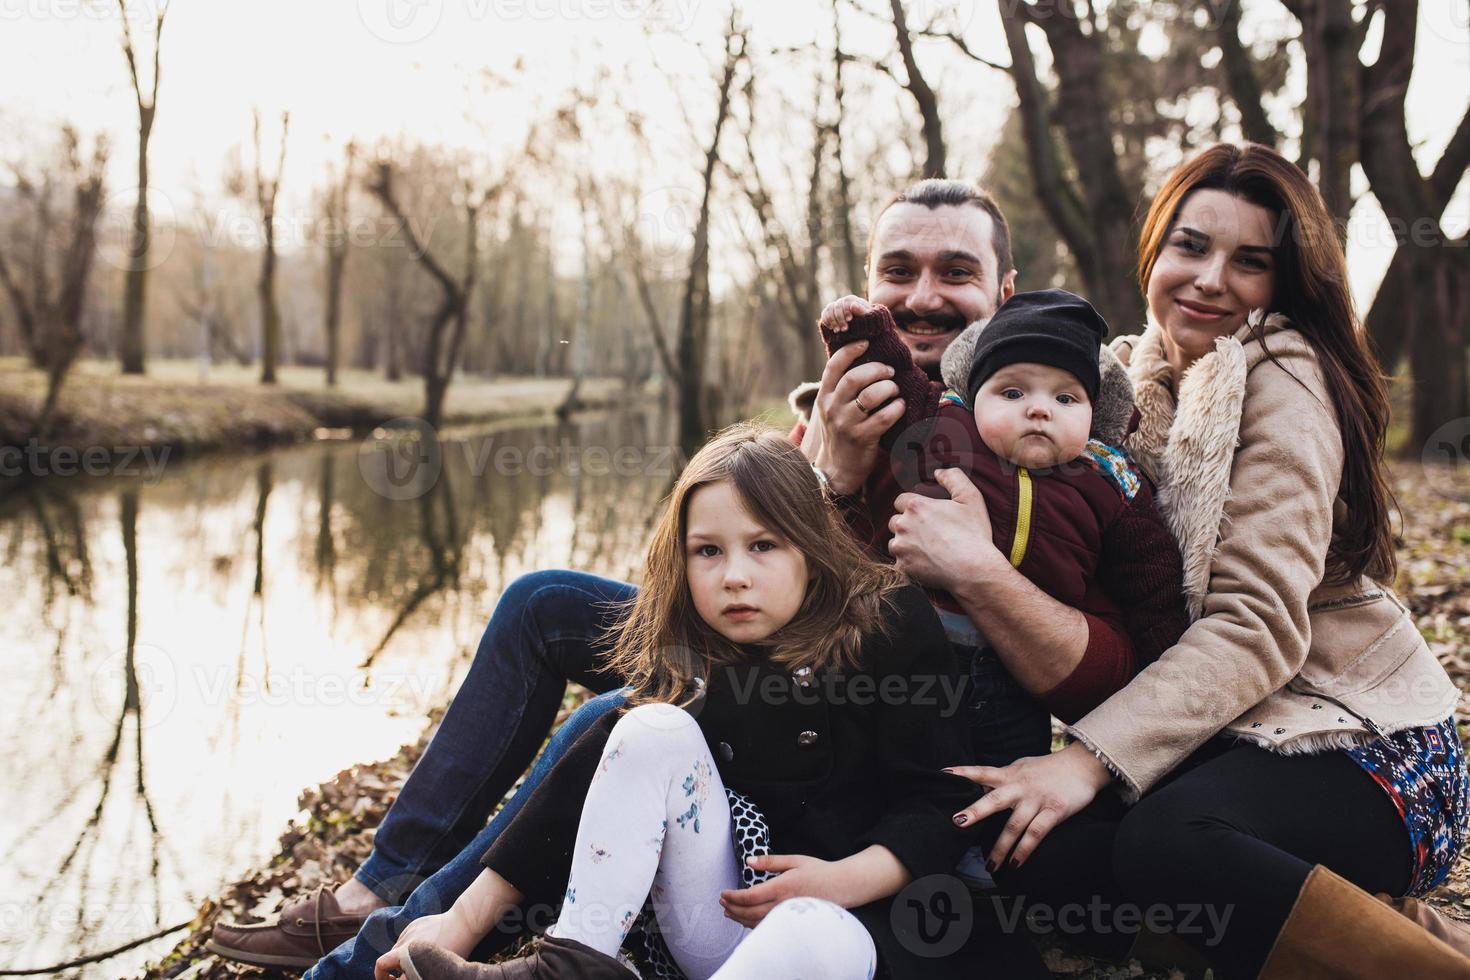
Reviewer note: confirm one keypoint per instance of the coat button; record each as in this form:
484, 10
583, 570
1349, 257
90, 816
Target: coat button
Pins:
803, 676
1255, 724
806, 739
1280, 731
726, 752
1316, 707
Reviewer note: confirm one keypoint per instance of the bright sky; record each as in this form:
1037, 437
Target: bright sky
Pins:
382, 68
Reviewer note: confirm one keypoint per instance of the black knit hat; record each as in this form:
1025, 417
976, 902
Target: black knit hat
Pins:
1049, 326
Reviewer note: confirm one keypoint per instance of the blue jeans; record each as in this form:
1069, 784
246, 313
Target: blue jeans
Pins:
547, 628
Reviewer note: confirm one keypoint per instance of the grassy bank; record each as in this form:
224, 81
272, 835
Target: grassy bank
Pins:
190, 410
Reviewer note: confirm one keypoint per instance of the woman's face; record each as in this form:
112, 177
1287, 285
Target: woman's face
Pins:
746, 580
1215, 266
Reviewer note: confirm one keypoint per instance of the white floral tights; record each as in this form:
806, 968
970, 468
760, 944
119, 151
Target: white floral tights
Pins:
657, 822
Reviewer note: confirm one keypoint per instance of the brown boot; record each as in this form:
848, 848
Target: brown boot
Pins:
551, 959
1337, 931
1452, 932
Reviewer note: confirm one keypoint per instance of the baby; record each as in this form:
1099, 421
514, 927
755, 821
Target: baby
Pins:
1072, 512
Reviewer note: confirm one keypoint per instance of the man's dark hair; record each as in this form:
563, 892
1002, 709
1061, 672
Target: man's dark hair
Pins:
936, 192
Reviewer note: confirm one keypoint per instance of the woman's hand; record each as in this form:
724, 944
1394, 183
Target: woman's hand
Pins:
1040, 791
943, 542
446, 929
800, 875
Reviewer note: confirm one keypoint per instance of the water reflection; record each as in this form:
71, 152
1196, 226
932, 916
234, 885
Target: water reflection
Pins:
184, 657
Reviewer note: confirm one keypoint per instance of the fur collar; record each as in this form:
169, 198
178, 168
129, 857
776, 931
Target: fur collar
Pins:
1186, 441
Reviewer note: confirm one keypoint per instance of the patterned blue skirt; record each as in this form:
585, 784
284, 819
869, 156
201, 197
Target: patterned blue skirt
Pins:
1423, 771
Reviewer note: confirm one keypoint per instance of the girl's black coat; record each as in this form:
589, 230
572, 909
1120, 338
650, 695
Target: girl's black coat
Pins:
848, 760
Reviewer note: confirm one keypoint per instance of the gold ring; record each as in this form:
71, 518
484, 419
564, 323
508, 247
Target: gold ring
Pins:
861, 407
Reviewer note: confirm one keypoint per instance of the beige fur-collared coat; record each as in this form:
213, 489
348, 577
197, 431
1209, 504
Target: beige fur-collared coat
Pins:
1249, 462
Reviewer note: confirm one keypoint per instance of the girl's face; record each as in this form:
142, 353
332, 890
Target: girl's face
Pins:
747, 581
1214, 267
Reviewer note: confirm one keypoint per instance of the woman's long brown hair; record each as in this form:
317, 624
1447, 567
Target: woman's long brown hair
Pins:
662, 644
1312, 292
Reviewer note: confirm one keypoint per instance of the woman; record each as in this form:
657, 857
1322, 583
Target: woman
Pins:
1299, 740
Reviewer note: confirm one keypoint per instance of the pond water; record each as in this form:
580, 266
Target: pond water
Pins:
183, 655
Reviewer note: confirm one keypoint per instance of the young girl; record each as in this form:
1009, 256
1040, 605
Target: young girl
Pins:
767, 654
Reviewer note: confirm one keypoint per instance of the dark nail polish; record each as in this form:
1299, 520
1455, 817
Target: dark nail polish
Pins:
961, 819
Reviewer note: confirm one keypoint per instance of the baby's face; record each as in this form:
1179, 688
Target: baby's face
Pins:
1034, 415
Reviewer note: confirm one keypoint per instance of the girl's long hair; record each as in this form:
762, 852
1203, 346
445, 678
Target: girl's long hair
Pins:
662, 644
1312, 292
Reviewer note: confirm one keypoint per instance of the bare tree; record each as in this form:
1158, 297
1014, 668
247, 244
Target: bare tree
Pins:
51, 311
335, 213
1354, 114
446, 325
1093, 210
266, 189
1433, 307
76, 268
687, 364
135, 290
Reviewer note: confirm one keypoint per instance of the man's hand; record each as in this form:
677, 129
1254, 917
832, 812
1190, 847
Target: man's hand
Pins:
842, 437
940, 543
1040, 791
446, 929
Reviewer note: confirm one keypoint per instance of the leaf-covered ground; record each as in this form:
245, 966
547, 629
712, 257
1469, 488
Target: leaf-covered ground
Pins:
334, 833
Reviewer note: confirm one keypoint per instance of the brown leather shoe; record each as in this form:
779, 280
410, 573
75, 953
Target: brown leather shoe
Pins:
304, 932
550, 959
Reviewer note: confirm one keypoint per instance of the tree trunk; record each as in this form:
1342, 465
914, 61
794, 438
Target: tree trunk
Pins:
1094, 216
924, 98
135, 285
1430, 271
694, 310
270, 313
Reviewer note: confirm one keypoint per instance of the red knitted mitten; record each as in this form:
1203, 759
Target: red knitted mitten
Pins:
920, 394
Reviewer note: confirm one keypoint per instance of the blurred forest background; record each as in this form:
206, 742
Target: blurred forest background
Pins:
677, 216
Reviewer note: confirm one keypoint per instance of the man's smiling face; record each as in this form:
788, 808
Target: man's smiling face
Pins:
936, 269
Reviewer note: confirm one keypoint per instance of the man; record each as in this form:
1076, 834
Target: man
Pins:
939, 258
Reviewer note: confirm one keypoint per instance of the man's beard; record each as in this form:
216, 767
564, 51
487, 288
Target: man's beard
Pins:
951, 323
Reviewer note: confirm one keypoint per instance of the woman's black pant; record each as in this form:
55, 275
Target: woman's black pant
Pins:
1216, 855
